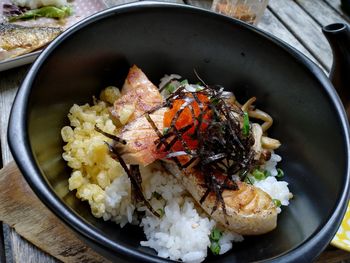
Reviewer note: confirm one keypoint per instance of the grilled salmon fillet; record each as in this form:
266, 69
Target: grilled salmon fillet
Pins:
16, 40
139, 93
250, 211
140, 137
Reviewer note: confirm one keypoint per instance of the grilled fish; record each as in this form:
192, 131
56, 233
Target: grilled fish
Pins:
142, 95
249, 210
138, 93
16, 40
140, 137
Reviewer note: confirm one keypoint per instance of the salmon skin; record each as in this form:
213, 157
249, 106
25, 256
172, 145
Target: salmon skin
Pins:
140, 139
139, 93
142, 95
249, 210
16, 40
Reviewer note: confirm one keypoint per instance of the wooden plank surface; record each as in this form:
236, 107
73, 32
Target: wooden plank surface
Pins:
272, 25
334, 255
304, 28
336, 5
22, 209
17, 249
297, 23
320, 12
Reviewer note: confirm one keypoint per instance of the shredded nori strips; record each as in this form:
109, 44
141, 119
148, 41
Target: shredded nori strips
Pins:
223, 150
133, 171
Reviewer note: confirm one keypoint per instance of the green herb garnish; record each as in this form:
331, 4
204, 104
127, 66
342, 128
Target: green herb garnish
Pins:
259, 175
215, 235
267, 174
277, 202
245, 129
46, 11
214, 101
161, 212
215, 247
249, 180
157, 195
170, 87
280, 173
185, 81
165, 131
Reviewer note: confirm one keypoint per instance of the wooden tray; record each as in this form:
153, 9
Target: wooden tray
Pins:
22, 210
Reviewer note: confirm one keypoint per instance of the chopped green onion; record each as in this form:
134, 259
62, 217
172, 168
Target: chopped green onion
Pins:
161, 212
267, 174
215, 248
259, 175
280, 173
276, 202
185, 81
170, 87
249, 180
245, 129
214, 101
165, 131
243, 174
156, 195
215, 235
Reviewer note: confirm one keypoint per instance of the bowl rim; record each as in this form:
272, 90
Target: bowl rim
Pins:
20, 147
341, 242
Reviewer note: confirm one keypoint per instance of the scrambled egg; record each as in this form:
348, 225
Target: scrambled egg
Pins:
86, 152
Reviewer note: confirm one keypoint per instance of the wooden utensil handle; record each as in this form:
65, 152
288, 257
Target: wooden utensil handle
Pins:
22, 210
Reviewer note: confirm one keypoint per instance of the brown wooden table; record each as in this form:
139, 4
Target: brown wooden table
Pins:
297, 22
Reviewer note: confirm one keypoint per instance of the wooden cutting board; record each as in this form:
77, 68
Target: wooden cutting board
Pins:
22, 210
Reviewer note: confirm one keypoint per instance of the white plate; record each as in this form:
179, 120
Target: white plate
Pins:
19, 61
82, 9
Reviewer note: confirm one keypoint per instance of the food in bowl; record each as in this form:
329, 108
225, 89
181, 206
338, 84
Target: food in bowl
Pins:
184, 161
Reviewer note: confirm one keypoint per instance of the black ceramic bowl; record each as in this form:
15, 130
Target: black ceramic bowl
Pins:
167, 38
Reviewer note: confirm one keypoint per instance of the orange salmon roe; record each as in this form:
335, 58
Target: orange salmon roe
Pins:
186, 118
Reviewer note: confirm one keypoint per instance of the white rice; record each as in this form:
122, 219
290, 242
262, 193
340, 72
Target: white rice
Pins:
226, 240
118, 203
182, 233
276, 189
271, 165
